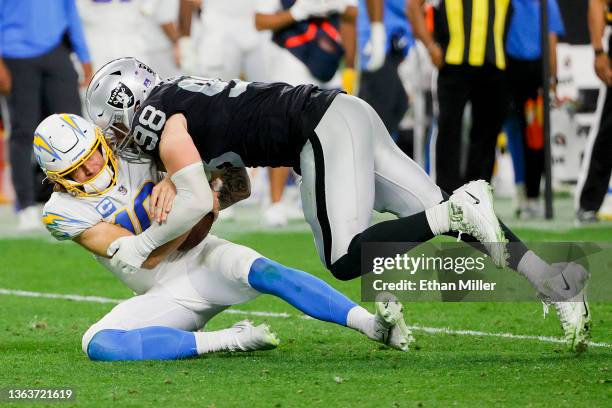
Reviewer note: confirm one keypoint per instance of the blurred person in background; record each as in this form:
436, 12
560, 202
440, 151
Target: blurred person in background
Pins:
227, 45
597, 165
38, 78
312, 38
380, 84
161, 35
468, 49
524, 73
145, 29
113, 28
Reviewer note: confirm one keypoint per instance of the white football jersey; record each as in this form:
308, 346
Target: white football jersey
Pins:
158, 13
113, 29
126, 204
231, 8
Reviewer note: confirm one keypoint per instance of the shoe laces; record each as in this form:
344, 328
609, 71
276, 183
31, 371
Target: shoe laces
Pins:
564, 311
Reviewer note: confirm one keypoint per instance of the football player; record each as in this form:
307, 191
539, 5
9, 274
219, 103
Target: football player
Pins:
99, 198
349, 166
109, 29
348, 162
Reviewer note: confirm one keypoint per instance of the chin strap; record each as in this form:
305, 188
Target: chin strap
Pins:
101, 181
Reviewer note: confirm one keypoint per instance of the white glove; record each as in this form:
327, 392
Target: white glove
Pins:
126, 255
188, 57
377, 46
303, 9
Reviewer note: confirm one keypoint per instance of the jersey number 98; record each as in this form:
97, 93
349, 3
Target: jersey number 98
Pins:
151, 121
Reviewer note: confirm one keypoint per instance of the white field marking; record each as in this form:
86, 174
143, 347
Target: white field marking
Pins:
430, 330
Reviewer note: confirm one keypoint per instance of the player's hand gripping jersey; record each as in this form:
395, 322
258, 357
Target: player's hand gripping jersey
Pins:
234, 123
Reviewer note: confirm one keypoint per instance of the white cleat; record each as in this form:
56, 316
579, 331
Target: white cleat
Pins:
390, 328
400, 336
471, 212
575, 318
275, 216
252, 338
563, 286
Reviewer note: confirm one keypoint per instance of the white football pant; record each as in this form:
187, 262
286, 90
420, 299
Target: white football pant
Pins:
351, 166
187, 290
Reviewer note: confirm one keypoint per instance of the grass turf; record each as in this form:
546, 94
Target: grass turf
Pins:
317, 364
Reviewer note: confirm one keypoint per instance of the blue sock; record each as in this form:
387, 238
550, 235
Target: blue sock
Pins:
301, 290
148, 343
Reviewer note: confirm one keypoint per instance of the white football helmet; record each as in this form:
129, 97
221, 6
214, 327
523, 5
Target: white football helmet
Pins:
116, 92
63, 142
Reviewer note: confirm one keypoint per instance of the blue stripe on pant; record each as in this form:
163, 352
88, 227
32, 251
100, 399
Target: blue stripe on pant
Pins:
305, 292
147, 343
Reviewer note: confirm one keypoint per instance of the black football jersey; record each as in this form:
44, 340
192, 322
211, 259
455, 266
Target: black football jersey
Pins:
234, 123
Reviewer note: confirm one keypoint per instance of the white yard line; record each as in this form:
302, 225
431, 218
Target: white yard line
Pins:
430, 330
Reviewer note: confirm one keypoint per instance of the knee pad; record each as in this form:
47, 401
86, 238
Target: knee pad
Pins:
147, 343
89, 334
105, 345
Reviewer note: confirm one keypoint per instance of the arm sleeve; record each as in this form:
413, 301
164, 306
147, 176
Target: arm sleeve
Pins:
555, 22
66, 217
193, 201
75, 32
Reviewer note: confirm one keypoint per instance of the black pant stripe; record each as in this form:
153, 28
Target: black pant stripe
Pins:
320, 197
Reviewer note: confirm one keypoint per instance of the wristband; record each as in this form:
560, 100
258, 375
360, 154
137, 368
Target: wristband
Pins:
598, 51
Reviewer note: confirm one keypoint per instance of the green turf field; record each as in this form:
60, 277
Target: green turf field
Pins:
317, 364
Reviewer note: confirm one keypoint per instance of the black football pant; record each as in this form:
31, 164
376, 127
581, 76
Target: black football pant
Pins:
525, 81
598, 160
384, 91
41, 86
485, 87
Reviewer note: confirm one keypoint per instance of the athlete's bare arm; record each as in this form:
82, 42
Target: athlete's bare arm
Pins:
597, 24
235, 187
176, 148
349, 36
274, 21
416, 16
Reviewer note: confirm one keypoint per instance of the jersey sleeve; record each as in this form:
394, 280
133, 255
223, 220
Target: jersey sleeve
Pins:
267, 6
166, 11
555, 22
66, 217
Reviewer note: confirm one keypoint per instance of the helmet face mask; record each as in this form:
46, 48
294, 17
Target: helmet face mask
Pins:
63, 143
114, 95
126, 148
